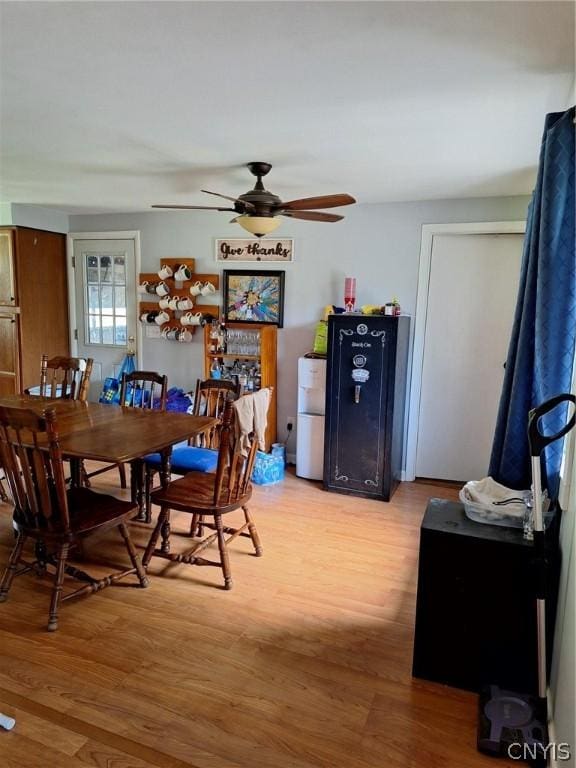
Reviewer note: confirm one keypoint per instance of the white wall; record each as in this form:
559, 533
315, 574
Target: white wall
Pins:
5, 214
34, 216
378, 244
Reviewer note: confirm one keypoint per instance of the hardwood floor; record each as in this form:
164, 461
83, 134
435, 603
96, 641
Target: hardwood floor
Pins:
304, 664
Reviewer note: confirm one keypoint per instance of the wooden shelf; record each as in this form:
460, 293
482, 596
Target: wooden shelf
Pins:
234, 356
267, 359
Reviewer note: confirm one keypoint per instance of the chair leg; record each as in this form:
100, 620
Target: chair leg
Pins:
253, 532
224, 559
197, 525
138, 489
148, 478
134, 558
84, 479
57, 591
10, 571
41, 557
151, 546
165, 531
122, 472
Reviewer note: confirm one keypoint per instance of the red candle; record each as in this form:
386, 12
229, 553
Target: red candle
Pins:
349, 293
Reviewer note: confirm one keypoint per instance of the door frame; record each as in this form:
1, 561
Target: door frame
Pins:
429, 231
133, 235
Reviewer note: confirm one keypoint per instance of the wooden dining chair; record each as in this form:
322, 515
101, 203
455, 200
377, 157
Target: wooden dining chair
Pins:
55, 518
201, 453
210, 399
212, 496
144, 389
65, 377
138, 389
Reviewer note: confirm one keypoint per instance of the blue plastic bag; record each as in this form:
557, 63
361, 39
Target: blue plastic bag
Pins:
111, 389
268, 469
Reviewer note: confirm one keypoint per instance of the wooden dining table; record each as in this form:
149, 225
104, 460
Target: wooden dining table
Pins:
115, 434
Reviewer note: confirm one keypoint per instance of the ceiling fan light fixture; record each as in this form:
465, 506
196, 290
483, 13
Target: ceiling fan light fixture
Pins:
258, 225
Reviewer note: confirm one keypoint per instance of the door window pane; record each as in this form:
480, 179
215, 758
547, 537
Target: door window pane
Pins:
92, 269
94, 329
107, 330
119, 270
106, 273
105, 299
120, 300
93, 299
107, 303
120, 332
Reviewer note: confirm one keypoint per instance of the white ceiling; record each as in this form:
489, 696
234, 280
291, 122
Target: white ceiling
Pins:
114, 106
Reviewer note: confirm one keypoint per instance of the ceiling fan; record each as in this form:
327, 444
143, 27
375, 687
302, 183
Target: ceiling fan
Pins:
258, 209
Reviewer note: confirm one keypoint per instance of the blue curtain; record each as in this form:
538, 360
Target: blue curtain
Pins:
541, 352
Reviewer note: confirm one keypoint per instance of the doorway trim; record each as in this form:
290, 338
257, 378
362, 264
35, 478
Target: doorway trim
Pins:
133, 235
429, 231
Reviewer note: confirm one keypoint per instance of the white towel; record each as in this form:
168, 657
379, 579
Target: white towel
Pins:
487, 491
252, 416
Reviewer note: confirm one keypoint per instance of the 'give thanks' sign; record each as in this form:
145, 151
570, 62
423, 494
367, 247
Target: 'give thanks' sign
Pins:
265, 249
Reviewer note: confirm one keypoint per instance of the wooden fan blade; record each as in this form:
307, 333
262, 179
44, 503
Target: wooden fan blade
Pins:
193, 207
312, 215
233, 199
324, 201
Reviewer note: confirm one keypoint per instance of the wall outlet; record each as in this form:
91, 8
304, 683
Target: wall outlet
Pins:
291, 423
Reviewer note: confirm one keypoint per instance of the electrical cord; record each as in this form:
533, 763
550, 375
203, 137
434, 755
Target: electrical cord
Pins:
289, 430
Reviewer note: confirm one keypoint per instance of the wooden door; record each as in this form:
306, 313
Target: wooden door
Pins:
9, 378
7, 276
43, 300
106, 311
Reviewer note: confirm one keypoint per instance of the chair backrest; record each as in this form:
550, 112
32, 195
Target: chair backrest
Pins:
210, 400
65, 377
140, 389
32, 461
234, 465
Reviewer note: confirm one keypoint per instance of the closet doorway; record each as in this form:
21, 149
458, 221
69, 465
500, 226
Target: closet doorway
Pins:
468, 286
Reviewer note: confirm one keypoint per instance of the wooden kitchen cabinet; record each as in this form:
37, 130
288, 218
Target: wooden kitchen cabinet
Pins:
33, 304
7, 276
9, 354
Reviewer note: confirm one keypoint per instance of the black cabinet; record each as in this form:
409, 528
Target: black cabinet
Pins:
476, 612
365, 399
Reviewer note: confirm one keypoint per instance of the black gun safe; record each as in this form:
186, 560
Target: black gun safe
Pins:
365, 399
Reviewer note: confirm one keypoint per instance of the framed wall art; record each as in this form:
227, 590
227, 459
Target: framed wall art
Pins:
254, 296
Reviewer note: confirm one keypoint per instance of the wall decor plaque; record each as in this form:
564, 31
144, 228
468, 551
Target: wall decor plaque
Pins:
250, 249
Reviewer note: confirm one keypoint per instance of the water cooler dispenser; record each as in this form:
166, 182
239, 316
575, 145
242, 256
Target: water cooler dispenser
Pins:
310, 424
